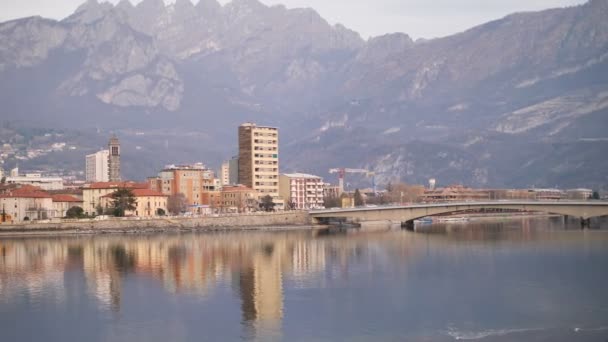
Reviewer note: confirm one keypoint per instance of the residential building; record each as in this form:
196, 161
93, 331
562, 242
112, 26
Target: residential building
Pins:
92, 194
331, 191
579, 194
212, 202
37, 180
97, 168
454, 193
548, 194
63, 203
114, 160
193, 181
259, 160
148, 203
27, 203
225, 174
238, 199
233, 171
302, 191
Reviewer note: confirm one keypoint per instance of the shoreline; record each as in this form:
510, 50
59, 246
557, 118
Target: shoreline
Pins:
297, 220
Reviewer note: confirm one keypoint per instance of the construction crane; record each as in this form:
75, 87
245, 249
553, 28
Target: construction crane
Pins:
343, 171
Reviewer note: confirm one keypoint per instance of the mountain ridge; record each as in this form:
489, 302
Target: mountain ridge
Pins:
534, 77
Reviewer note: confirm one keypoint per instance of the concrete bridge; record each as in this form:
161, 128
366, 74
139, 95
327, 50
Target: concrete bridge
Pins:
407, 214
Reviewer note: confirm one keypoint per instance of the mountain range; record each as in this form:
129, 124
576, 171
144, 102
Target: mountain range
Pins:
517, 102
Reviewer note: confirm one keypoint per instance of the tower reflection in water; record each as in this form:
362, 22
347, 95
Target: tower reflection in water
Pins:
254, 265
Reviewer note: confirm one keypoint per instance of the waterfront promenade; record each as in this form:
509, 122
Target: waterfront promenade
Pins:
260, 220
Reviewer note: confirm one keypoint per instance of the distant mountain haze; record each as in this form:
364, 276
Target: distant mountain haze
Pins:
521, 101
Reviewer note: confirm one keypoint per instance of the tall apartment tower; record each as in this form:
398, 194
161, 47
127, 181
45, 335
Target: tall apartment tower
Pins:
114, 160
259, 159
97, 167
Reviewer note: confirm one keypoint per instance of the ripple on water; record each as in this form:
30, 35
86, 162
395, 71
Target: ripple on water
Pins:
476, 335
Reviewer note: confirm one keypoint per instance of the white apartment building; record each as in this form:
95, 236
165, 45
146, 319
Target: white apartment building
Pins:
97, 167
302, 191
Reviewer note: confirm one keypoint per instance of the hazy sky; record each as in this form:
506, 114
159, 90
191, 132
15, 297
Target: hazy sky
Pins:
418, 18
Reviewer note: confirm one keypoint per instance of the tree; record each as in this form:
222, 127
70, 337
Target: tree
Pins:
358, 198
99, 209
160, 212
267, 203
74, 212
3, 180
595, 196
177, 204
123, 200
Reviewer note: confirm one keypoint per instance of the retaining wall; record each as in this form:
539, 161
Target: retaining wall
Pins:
229, 222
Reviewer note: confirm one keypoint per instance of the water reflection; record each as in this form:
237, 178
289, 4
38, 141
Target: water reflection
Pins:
264, 272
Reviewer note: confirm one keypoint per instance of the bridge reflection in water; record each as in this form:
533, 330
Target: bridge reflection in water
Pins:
585, 210
275, 286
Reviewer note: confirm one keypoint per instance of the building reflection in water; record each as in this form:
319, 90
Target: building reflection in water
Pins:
255, 265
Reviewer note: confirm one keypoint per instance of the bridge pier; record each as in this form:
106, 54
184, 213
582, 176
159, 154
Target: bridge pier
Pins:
409, 225
585, 223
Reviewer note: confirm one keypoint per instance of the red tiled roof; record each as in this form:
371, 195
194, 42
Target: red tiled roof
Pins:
65, 198
142, 193
147, 193
26, 194
116, 185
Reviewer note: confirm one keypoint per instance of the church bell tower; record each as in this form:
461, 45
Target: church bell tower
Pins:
114, 160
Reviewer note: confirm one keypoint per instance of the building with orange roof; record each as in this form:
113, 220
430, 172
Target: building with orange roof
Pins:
92, 194
62, 203
27, 203
149, 202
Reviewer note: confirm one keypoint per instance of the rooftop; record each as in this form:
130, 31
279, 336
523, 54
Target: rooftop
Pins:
301, 175
116, 185
253, 125
65, 198
27, 191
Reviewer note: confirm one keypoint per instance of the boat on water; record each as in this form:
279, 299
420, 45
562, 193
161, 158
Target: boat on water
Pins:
451, 219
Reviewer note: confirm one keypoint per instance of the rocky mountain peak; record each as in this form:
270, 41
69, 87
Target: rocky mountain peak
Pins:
238, 9
380, 48
89, 12
151, 7
206, 7
125, 5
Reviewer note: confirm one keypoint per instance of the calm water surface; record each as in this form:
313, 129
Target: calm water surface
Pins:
527, 280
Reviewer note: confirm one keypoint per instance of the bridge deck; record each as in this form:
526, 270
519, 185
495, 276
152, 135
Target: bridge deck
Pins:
583, 209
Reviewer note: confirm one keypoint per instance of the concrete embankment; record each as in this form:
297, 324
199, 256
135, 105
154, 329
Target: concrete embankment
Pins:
165, 224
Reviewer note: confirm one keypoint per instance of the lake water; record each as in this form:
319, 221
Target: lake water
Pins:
521, 280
